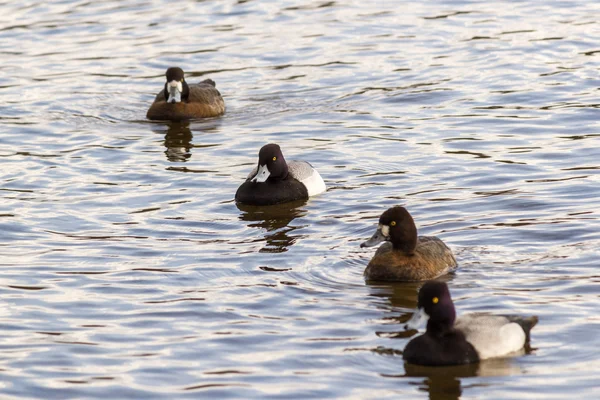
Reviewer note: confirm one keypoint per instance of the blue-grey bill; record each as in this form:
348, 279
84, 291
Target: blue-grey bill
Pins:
377, 238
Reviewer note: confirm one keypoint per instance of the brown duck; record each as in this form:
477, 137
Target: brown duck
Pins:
179, 101
406, 256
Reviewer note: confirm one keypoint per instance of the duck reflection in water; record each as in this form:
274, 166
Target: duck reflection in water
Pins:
444, 383
275, 220
401, 296
178, 137
178, 141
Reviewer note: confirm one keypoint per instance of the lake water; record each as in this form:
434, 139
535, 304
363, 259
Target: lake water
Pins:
128, 271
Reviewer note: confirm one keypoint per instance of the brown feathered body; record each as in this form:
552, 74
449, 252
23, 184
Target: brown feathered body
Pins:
431, 259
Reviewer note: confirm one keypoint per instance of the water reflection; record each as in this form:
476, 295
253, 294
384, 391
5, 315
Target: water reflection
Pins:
178, 141
402, 295
178, 136
444, 383
275, 219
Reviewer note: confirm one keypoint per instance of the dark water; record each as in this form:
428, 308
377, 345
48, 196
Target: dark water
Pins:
129, 272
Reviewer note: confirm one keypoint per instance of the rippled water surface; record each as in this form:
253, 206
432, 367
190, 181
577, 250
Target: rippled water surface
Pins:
128, 271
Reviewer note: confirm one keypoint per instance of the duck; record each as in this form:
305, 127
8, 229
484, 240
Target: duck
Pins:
275, 180
406, 257
464, 340
178, 101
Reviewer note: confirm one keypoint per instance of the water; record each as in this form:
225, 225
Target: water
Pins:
129, 272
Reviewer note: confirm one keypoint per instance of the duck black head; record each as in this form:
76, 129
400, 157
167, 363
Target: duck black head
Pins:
435, 305
271, 164
397, 226
176, 88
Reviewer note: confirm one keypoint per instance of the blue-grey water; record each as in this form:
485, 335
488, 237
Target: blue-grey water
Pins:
128, 271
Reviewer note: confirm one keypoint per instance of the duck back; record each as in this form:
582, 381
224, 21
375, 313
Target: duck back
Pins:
304, 172
495, 335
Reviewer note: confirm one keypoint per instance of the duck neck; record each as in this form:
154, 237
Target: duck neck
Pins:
439, 328
406, 243
443, 320
281, 172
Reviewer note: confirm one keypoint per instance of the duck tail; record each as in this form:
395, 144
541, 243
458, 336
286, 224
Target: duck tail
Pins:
527, 323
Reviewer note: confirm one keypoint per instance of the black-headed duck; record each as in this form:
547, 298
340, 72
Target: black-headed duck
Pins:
405, 256
469, 339
275, 181
179, 101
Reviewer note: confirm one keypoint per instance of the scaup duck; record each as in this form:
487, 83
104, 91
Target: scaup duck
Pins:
275, 181
473, 337
405, 256
179, 101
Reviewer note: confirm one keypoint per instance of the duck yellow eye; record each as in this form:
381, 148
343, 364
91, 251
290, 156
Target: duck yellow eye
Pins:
435, 300
274, 158
393, 223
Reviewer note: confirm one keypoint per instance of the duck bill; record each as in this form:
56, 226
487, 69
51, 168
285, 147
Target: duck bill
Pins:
418, 320
175, 89
377, 238
262, 175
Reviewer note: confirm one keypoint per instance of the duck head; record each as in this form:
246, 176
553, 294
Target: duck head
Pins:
434, 306
271, 164
176, 88
397, 226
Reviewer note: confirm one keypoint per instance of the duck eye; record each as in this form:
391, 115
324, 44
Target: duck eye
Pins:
274, 158
393, 223
435, 300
